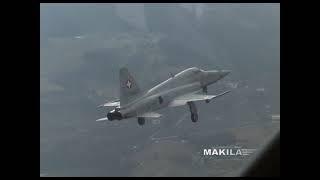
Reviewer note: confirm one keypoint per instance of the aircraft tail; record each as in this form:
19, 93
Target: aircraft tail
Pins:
129, 88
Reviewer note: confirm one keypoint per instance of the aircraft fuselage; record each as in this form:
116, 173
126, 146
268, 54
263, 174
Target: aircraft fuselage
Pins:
188, 81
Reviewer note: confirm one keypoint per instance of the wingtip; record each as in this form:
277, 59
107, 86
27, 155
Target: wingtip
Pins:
226, 92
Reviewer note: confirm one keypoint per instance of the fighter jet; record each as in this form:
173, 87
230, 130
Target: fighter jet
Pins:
183, 88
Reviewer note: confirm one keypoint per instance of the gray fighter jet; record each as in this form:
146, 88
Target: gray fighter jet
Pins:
184, 88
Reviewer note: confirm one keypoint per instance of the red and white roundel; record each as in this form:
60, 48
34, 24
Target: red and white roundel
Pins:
129, 84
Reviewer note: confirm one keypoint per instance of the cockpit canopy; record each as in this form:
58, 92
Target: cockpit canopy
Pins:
189, 71
178, 79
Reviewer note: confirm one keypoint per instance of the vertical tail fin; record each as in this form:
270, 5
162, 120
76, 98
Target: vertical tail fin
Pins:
128, 87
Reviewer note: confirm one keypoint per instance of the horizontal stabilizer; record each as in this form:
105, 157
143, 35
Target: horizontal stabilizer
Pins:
150, 115
102, 119
114, 103
182, 100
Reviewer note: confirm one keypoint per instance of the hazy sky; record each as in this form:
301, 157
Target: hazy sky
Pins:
84, 45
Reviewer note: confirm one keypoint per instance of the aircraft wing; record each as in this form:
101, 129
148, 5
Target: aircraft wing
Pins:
150, 115
182, 100
114, 103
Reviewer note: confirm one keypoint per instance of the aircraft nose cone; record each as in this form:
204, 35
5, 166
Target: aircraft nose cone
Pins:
224, 72
213, 76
